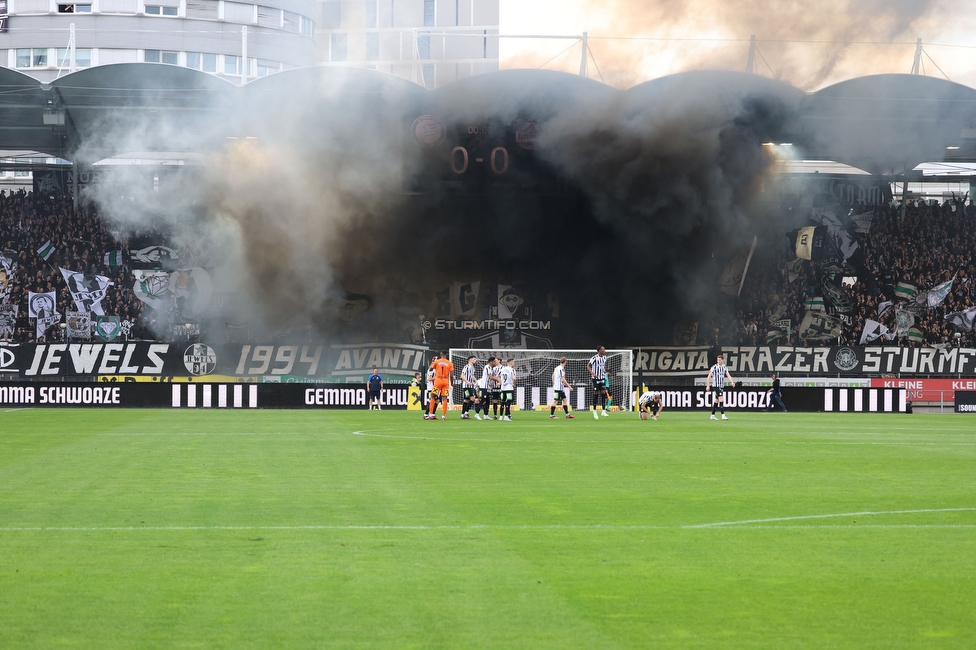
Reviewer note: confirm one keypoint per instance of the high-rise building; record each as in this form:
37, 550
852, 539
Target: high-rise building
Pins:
214, 36
432, 42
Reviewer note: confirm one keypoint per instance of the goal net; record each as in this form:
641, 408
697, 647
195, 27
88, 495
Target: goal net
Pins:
533, 368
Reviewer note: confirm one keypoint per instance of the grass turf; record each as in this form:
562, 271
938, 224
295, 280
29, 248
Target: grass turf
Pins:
134, 528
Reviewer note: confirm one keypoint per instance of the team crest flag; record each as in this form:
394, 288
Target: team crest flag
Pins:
46, 250
935, 296
108, 328
87, 290
152, 288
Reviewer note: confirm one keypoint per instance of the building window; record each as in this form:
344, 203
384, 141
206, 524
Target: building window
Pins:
307, 26
232, 64
194, 60
428, 71
152, 56
155, 10
74, 9
82, 58
160, 56
372, 46
267, 67
423, 46
331, 14
371, 14
23, 58
338, 47
39, 59
428, 13
210, 63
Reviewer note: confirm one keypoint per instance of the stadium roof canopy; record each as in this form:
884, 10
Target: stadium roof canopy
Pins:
884, 124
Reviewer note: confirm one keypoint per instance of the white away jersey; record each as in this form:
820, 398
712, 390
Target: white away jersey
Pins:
508, 378
599, 365
557, 378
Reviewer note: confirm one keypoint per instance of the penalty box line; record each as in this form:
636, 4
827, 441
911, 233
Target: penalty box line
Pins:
742, 523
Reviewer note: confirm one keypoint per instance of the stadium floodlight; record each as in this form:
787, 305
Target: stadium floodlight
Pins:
533, 388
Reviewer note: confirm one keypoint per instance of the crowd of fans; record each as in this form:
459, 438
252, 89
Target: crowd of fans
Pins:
923, 245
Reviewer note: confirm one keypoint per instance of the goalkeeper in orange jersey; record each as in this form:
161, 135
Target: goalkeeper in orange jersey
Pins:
443, 373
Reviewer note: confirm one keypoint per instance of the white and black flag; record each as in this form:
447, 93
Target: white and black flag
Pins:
8, 320
43, 308
87, 290
962, 320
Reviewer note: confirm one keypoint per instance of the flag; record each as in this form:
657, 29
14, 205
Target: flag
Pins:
818, 326
836, 297
734, 274
836, 232
805, 238
113, 258
935, 296
779, 329
903, 322
872, 331
87, 289
794, 269
862, 221
46, 250
883, 307
79, 324
43, 308
685, 334
815, 304
152, 288
8, 320
107, 328
905, 290
459, 299
8, 268
915, 334
962, 320
193, 290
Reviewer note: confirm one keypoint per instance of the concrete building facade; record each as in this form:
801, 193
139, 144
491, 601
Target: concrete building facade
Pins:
213, 36
431, 42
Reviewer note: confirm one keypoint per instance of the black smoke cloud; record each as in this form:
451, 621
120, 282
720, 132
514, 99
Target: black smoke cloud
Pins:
627, 205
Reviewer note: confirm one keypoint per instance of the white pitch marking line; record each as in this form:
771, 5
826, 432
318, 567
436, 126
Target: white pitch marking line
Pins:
868, 513
744, 523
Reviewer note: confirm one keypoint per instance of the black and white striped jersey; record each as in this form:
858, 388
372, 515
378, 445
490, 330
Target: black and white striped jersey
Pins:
557, 378
468, 376
495, 373
483, 383
719, 374
599, 365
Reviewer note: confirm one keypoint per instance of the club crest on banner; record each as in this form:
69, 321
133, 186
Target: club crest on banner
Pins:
200, 359
108, 328
79, 324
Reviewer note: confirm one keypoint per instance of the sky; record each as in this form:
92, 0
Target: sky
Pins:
808, 44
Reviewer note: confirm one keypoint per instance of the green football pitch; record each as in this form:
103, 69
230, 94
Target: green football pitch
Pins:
318, 529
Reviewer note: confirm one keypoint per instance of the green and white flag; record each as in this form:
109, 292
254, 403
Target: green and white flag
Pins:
108, 328
46, 250
905, 290
935, 296
113, 258
915, 334
904, 320
815, 304
152, 288
818, 326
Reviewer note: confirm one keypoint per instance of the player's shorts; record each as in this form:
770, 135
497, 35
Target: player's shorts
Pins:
470, 393
508, 395
558, 394
374, 394
442, 387
717, 392
600, 384
495, 395
654, 408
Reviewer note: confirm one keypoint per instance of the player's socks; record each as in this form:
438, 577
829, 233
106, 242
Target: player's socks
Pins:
444, 409
565, 409
552, 410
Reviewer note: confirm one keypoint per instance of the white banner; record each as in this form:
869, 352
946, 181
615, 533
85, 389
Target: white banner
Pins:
43, 308
87, 290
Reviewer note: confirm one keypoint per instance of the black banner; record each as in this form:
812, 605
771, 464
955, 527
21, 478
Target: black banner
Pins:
806, 361
204, 395
747, 398
965, 401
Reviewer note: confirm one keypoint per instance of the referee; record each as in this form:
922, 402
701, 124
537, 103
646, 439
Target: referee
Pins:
597, 366
717, 376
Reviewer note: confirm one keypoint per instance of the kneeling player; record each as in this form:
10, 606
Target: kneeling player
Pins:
560, 390
650, 402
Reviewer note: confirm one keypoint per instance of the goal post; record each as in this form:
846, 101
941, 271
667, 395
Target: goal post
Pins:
534, 368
